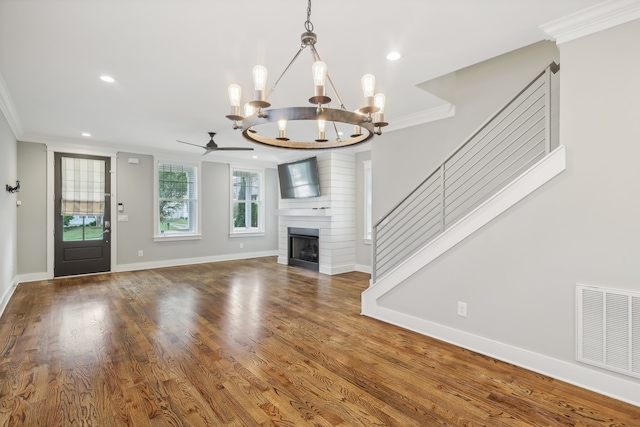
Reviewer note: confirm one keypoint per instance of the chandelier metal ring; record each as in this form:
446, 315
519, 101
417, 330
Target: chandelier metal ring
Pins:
308, 113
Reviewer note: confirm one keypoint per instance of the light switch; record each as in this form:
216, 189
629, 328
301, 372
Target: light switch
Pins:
123, 218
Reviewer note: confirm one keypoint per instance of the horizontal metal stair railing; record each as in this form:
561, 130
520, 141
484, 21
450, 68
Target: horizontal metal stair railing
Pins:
503, 148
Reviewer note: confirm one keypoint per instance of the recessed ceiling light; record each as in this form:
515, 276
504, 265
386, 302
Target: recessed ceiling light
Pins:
393, 56
86, 134
255, 157
107, 79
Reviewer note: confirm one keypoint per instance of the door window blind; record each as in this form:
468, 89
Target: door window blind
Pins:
83, 186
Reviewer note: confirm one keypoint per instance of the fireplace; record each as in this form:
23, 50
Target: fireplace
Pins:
304, 248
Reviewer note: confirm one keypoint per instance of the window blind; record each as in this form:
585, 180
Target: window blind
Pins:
83, 186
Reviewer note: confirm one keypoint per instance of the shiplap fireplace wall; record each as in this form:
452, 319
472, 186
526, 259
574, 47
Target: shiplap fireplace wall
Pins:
333, 213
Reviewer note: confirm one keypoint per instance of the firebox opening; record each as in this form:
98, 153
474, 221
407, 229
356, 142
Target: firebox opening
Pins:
304, 248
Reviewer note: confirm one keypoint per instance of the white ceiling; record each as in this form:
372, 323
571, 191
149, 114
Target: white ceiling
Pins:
173, 60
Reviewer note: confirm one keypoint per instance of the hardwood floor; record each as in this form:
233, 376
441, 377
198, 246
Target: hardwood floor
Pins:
253, 343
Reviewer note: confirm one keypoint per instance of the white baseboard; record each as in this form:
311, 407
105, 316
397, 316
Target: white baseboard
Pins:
573, 373
33, 277
363, 268
337, 269
7, 295
190, 261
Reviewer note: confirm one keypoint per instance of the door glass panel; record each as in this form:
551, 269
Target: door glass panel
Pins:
83, 199
82, 227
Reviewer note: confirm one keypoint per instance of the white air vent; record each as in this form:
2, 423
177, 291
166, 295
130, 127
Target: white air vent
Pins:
608, 329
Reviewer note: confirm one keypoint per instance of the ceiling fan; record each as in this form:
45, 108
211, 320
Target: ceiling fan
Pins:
212, 146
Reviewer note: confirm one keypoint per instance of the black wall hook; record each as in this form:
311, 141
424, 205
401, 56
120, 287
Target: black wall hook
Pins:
15, 189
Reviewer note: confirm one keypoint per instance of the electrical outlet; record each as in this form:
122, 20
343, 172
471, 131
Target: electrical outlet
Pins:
462, 309
241, 245
140, 253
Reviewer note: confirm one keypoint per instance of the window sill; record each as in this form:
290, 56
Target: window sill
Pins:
247, 234
176, 237
366, 241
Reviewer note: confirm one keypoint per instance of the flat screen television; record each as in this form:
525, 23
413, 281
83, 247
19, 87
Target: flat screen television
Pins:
300, 179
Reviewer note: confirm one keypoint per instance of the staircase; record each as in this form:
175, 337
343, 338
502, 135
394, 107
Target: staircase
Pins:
507, 158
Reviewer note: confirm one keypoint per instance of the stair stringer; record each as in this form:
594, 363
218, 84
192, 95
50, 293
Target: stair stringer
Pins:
536, 176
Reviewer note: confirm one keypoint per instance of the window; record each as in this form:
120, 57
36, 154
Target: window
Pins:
247, 201
83, 190
177, 209
368, 198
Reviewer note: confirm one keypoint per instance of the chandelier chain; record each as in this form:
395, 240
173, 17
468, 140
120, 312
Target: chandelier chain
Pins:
308, 25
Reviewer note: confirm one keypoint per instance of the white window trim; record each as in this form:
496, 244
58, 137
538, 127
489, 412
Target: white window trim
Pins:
158, 237
368, 214
261, 210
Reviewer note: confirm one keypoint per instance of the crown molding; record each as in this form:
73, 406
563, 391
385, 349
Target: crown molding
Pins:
591, 20
431, 115
8, 109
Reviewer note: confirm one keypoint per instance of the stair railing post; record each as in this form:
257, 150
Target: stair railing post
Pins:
442, 196
374, 252
547, 109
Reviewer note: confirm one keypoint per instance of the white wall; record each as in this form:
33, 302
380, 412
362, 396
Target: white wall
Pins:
135, 192
518, 273
363, 250
404, 158
8, 212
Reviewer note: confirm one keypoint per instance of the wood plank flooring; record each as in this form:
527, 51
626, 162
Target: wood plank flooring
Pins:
253, 343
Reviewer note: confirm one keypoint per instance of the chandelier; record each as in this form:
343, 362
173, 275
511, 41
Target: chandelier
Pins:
366, 121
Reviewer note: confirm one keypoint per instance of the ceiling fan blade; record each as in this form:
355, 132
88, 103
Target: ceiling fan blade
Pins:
212, 146
190, 143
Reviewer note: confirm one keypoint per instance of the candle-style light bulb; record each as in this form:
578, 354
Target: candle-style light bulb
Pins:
260, 77
249, 110
357, 129
235, 93
368, 83
322, 124
379, 101
260, 84
282, 130
319, 72
378, 116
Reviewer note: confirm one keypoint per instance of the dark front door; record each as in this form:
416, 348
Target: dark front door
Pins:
82, 214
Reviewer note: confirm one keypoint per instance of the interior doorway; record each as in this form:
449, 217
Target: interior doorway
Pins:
82, 220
